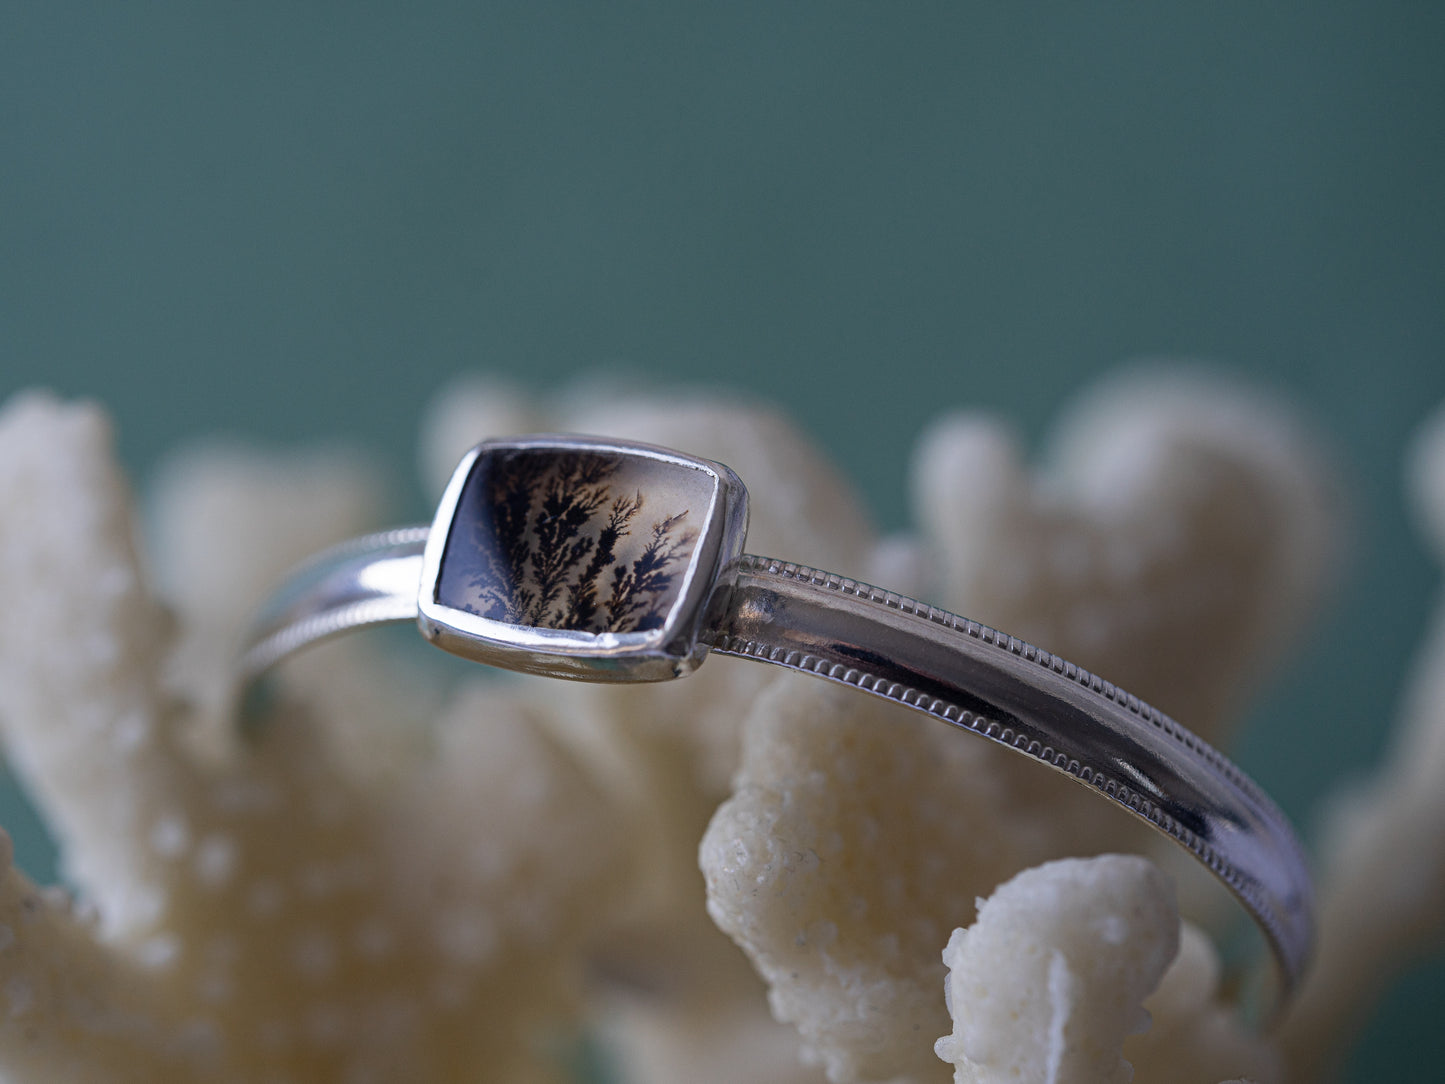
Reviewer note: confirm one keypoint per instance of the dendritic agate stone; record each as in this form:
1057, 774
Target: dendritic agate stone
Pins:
579, 540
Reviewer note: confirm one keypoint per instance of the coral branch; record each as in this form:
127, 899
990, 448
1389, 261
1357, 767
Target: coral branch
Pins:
1382, 892
81, 643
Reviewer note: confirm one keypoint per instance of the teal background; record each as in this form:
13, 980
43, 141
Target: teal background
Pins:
292, 221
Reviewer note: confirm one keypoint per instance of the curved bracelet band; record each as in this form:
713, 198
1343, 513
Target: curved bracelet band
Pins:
585, 558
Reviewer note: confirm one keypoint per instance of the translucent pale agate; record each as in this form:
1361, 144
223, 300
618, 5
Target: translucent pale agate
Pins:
667, 752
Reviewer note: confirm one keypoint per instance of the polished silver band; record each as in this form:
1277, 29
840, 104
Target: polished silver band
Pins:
957, 670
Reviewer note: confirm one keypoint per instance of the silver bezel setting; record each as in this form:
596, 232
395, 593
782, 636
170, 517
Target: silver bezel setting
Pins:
791, 616
672, 650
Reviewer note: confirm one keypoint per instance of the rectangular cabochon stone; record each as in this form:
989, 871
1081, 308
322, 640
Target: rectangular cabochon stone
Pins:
579, 540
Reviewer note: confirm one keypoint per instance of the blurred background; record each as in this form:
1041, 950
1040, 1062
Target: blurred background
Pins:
296, 221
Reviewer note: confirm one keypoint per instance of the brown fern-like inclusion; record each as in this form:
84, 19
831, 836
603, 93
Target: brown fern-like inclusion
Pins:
579, 540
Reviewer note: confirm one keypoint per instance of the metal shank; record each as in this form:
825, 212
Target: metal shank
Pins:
1037, 704
927, 659
368, 581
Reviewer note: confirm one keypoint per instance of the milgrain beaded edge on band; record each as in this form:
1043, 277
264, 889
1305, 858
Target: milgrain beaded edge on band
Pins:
365, 581
930, 660
797, 617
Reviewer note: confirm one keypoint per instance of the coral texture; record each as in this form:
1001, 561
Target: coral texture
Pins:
1042, 961
263, 913
864, 820
1382, 891
378, 880
667, 753
1039, 989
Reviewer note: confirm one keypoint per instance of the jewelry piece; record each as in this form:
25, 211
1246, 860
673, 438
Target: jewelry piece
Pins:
605, 560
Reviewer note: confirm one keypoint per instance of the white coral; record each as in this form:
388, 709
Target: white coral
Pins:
1050, 984
857, 833
1196, 1036
1382, 891
383, 885
885, 826
1039, 988
668, 752
264, 913
1179, 532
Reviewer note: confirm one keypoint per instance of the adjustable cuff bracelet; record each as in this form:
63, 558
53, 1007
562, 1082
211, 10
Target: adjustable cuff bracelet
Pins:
605, 560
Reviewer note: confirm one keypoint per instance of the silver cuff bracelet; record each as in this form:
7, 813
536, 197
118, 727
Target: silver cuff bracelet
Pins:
605, 560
